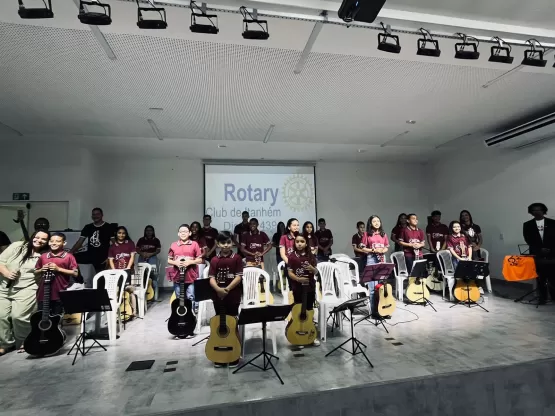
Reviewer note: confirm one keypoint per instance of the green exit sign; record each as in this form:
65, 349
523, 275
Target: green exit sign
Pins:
22, 196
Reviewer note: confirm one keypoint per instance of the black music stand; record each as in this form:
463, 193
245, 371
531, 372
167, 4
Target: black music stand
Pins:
376, 272
84, 301
263, 315
470, 270
356, 344
535, 291
420, 271
203, 291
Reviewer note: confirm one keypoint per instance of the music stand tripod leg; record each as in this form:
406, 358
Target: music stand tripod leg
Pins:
202, 340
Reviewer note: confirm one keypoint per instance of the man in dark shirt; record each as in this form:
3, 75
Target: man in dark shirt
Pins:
325, 241
98, 236
239, 230
437, 233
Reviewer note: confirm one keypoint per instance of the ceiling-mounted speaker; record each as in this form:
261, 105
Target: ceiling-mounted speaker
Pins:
360, 10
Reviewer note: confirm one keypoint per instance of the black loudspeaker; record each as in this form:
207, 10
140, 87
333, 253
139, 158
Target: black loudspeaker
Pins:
360, 10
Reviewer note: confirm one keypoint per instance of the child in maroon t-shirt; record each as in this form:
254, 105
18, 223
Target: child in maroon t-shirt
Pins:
63, 266
226, 271
302, 269
254, 245
413, 240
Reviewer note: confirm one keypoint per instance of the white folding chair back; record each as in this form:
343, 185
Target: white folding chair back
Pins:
143, 273
114, 283
339, 255
251, 279
284, 282
447, 270
350, 278
330, 277
400, 271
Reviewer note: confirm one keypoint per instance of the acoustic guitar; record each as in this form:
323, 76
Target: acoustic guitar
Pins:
300, 330
46, 337
466, 290
149, 291
125, 309
182, 321
385, 304
223, 345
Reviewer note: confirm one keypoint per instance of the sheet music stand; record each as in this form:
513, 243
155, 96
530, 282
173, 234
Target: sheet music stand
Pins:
356, 344
420, 271
203, 292
84, 301
263, 315
470, 270
376, 272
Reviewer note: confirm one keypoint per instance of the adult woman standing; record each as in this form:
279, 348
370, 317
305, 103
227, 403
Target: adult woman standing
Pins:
18, 289
376, 244
287, 241
396, 232
473, 231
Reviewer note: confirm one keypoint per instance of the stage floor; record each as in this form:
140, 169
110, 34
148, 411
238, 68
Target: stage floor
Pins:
451, 340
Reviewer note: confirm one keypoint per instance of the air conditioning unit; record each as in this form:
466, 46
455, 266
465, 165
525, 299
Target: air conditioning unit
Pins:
528, 134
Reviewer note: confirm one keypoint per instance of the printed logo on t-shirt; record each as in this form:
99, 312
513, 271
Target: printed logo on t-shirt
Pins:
437, 236
541, 228
95, 239
289, 250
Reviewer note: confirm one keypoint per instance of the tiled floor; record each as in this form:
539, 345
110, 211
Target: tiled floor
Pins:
450, 340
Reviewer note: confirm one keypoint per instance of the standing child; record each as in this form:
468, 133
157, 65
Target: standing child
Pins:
254, 245
325, 241
184, 253
63, 265
302, 269
121, 256
227, 289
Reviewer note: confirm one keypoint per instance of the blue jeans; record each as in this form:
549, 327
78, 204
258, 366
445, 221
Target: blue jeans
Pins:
455, 262
372, 259
189, 293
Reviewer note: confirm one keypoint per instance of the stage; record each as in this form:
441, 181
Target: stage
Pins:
456, 361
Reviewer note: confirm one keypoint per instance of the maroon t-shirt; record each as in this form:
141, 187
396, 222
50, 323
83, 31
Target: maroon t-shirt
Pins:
324, 237
121, 253
297, 263
148, 245
312, 241
437, 233
459, 244
397, 233
408, 235
287, 241
59, 281
254, 242
210, 235
224, 269
357, 241
201, 243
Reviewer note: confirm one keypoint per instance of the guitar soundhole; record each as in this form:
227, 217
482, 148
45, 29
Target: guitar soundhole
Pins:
181, 311
45, 325
223, 332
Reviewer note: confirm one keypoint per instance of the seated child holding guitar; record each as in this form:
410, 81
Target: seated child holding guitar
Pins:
301, 266
226, 270
121, 256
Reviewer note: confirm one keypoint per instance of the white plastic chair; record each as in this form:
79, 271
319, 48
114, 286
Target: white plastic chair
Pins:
143, 273
350, 280
251, 279
284, 285
203, 306
328, 272
485, 255
447, 270
115, 285
401, 273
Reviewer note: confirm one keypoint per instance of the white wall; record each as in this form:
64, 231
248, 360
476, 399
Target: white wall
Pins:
496, 187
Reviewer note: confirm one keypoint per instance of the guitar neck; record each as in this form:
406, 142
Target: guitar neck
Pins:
182, 286
46, 296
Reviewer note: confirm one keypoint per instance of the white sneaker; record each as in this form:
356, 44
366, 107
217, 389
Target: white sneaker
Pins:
218, 365
316, 343
481, 291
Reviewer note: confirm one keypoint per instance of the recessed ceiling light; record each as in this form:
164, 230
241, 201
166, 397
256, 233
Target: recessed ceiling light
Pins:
221, 146
411, 121
156, 109
361, 150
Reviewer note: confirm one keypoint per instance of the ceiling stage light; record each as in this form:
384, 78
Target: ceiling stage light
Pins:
462, 49
533, 56
209, 29
36, 12
248, 18
423, 42
86, 17
383, 45
143, 23
500, 53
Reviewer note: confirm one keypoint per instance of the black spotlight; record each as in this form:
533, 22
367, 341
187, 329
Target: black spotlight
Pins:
425, 41
143, 23
393, 45
248, 18
533, 56
466, 49
500, 53
102, 18
36, 12
211, 28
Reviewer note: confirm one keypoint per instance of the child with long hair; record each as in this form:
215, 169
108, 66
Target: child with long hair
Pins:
302, 270
121, 255
312, 241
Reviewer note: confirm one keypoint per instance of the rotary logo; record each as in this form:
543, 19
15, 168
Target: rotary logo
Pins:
298, 193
